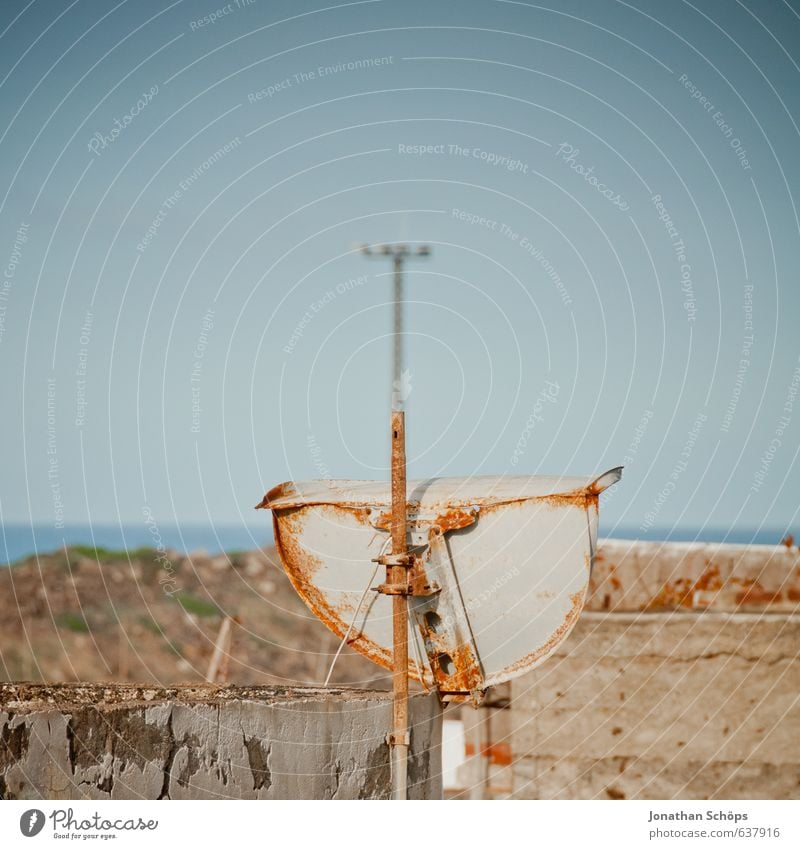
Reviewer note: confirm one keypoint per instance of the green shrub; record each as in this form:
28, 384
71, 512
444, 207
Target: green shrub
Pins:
72, 622
151, 625
97, 552
198, 606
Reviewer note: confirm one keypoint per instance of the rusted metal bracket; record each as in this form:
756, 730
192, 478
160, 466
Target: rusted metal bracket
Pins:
432, 588
416, 582
448, 638
392, 589
420, 584
406, 559
419, 522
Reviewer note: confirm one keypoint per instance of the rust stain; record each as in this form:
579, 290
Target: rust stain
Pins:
467, 676
681, 591
711, 589
757, 595
461, 510
362, 514
449, 520
595, 489
418, 579
710, 579
453, 519
300, 566
498, 753
582, 498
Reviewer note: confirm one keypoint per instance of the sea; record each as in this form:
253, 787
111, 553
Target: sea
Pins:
20, 540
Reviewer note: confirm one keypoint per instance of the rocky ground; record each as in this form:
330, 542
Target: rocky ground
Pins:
96, 615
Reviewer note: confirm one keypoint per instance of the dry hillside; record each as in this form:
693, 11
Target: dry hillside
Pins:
96, 615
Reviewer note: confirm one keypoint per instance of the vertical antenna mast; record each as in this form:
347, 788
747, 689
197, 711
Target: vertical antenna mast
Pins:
398, 254
397, 576
398, 396
399, 562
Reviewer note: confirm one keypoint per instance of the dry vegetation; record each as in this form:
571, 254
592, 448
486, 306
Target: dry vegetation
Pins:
98, 615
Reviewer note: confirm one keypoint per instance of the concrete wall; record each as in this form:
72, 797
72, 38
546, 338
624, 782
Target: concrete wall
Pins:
687, 687
121, 742
663, 705
633, 575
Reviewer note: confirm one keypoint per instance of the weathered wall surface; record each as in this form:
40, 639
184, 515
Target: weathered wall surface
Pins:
123, 742
663, 705
634, 575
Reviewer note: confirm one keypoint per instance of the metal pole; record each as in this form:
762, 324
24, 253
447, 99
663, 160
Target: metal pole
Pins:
397, 365
397, 575
398, 253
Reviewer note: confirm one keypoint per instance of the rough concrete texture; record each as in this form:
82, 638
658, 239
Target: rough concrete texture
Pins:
126, 742
663, 705
632, 575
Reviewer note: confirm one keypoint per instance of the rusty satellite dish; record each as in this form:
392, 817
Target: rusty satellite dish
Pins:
499, 568
485, 576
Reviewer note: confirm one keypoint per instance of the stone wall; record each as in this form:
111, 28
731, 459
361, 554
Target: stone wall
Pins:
689, 687
633, 575
660, 706
126, 742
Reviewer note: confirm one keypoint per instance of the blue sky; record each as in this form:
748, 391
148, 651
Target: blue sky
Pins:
608, 189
